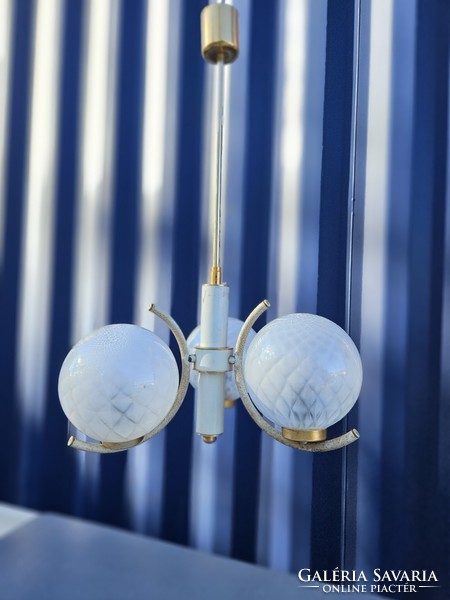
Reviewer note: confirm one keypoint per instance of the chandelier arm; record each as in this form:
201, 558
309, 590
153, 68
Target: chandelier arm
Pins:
185, 369
111, 447
325, 446
102, 447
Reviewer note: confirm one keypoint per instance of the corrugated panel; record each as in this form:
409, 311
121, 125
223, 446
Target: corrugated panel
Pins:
104, 187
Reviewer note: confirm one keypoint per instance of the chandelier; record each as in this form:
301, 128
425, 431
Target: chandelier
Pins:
296, 377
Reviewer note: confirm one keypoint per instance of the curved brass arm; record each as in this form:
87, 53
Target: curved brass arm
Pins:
110, 447
325, 446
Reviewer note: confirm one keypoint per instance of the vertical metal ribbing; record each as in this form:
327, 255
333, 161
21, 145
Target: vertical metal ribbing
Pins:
349, 274
352, 186
327, 515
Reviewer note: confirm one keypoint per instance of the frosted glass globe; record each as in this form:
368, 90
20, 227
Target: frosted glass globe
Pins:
234, 328
303, 372
118, 383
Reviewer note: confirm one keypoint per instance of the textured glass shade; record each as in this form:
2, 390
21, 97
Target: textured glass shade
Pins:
234, 327
118, 383
303, 372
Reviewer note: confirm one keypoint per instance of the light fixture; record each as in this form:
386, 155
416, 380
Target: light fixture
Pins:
299, 375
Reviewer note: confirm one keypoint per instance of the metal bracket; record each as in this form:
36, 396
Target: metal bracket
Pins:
111, 447
212, 360
325, 446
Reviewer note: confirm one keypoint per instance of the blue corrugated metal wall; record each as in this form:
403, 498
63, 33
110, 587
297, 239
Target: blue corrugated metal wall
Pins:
104, 158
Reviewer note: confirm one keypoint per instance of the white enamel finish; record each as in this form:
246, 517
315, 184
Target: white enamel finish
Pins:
213, 334
303, 372
233, 329
118, 383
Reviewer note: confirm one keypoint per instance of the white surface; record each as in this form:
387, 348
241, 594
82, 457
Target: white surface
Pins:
303, 372
234, 327
12, 517
213, 334
118, 383
214, 315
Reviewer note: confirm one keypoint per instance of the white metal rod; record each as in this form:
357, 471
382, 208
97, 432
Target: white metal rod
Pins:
219, 102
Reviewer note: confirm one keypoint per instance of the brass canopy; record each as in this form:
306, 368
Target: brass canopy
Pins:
220, 35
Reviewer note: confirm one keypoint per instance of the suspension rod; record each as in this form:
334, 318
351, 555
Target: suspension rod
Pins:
216, 268
220, 46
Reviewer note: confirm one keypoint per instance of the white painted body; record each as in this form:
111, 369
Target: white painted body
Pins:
211, 365
193, 342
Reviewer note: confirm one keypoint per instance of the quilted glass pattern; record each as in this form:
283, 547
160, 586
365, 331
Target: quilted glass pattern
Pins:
303, 372
118, 383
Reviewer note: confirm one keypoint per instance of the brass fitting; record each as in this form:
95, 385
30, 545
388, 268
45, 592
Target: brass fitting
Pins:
304, 435
220, 33
215, 277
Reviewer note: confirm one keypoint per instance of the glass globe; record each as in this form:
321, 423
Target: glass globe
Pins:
118, 383
303, 372
234, 328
